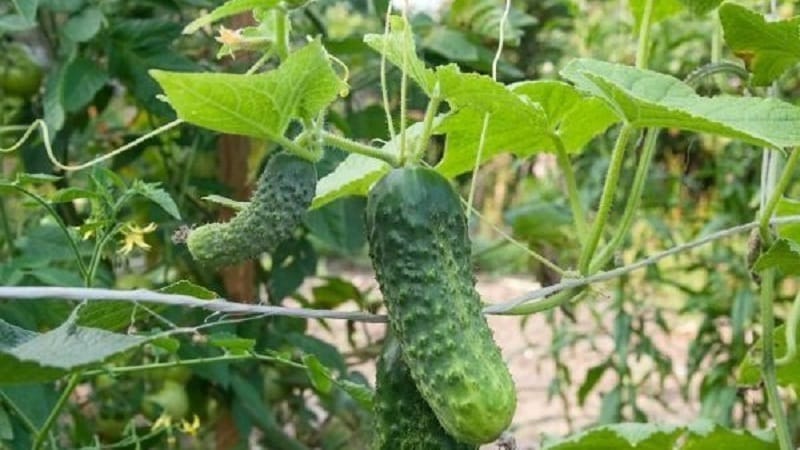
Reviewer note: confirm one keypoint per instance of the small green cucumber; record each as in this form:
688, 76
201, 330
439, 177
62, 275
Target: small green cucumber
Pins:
421, 253
403, 419
283, 193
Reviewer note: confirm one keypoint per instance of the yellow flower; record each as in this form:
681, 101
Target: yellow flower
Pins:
228, 36
134, 237
164, 421
190, 428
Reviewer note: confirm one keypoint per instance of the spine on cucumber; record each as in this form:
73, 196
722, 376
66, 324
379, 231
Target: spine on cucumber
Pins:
284, 192
422, 258
403, 420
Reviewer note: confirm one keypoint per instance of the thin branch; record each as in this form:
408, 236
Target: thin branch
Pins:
605, 276
146, 296
223, 306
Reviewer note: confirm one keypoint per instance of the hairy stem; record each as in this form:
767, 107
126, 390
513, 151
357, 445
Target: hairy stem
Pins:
768, 373
359, 148
477, 166
281, 33
8, 237
565, 165
387, 107
43, 432
427, 125
643, 47
634, 198
776, 194
606, 198
791, 333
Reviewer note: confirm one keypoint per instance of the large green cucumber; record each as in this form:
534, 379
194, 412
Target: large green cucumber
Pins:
283, 194
421, 254
403, 419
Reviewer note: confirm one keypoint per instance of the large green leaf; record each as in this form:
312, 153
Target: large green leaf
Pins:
47, 356
704, 435
621, 436
651, 99
768, 48
699, 435
259, 105
523, 119
398, 47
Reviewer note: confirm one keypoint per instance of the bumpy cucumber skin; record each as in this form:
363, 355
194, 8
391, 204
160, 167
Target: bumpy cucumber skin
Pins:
284, 192
403, 420
420, 250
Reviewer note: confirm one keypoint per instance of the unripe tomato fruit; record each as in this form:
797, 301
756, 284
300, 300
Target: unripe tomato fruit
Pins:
19, 75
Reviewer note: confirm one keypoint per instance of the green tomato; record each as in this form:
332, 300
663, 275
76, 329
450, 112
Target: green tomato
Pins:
19, 75
172, 398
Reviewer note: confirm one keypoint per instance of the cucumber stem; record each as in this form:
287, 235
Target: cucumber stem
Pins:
607, 197
359, 148
564, 163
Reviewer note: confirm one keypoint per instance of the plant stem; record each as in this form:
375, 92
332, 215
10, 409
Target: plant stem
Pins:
427, 125
359, 148
510, 239
477, 166
544, 305
768, 360
7, 234
298, 150
387, 107
634, 198
572, 189
183, 363
607, 197
16, 411
281, 33
404, 95
777, 193
260, 62
791, 333
41, 435
49, 208
643, 47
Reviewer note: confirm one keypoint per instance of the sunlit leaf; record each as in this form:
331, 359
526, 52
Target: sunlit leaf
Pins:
768, 48
650, 99
318, 374
398, 47
260, 105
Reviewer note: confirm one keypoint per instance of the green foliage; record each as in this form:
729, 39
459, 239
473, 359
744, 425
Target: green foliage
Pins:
85, 67
768, 48
697, 436
260, 105
646, 98
38, 357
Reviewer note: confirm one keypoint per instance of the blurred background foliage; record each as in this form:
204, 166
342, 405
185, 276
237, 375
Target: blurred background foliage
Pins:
82, 65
